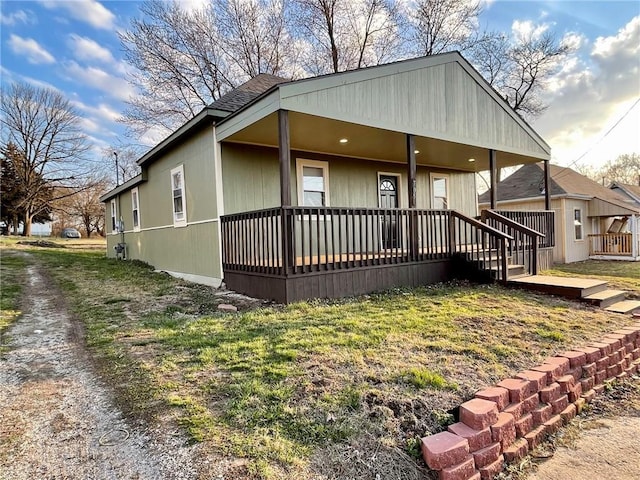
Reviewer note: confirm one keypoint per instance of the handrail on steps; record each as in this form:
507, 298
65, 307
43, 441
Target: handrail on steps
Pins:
522, 229
510, 223
498, 236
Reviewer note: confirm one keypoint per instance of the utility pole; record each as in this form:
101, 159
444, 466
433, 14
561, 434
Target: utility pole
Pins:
115, 154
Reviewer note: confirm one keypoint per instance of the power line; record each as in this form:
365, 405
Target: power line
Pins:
601, 138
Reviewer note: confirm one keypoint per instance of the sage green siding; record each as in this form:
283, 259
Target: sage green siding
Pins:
442, 100
252, 181
251, 178
192, 249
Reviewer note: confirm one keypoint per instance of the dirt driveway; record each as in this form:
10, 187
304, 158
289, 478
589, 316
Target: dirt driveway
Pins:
56, 418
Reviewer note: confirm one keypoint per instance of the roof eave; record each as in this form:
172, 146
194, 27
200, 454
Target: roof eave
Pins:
129, 184
206, 114
464, 63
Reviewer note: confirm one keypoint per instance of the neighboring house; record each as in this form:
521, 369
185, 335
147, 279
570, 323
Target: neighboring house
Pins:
324, 187
631, 193
591, 221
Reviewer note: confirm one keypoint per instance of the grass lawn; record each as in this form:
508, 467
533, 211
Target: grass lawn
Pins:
12, 278
310, 389
620, 275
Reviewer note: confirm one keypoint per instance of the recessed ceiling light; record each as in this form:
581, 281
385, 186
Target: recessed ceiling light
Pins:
416, 151
472, 159
344, 140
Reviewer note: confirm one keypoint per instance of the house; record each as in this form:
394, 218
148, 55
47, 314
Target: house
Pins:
591, 221
631, 193
329, 186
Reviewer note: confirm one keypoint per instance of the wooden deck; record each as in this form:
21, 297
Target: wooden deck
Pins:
565, 286
595, 292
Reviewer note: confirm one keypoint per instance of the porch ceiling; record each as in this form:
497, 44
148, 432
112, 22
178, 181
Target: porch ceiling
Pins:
322, 135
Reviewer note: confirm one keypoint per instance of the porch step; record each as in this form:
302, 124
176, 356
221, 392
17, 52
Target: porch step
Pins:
605, 298
625, 306
514, 271
563, 286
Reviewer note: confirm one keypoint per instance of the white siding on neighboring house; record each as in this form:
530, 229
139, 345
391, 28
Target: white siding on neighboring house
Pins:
576, 250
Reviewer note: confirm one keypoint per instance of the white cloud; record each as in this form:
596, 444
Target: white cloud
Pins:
89, 11
193, 5
574, 41
627, 39
102, 111
527, 29
31, 49
19, 16
10, 76
154, 135
86, 49
589, 95
97, 78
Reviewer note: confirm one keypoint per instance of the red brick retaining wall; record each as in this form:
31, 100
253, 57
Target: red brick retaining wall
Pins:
506, 421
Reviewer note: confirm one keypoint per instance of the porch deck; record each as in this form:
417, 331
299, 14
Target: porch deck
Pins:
595, 292
293, 253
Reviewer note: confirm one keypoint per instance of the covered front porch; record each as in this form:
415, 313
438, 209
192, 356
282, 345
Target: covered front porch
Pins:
374, 172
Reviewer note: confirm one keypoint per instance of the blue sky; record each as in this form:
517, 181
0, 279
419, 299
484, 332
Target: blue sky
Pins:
73, 46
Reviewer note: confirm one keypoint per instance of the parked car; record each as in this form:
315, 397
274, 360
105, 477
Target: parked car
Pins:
70, 233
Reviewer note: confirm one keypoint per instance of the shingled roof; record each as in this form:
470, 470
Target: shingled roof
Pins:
630, 191
245, 93
528, 182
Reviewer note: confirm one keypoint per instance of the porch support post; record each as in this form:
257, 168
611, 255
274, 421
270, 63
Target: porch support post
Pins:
411, 179
493, 176
635, 236
547, 181
284, 157
411, 169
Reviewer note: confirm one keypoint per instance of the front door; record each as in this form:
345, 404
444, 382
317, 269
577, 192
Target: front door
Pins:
388, 190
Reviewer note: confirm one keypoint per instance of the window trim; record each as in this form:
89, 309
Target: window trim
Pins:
432, 177
580, 223
135, 209
300, 164
179, 222
114, 217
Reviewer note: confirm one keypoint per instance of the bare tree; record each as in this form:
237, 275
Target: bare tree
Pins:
338, 35
179, 66
44, 128
82, 207
184, 60
253, 34
519, 68
444, 25
126, 166
624, 169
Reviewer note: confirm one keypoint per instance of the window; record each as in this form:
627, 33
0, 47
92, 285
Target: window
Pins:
439, 191
135, 209
177, 193
577, 223
114, 217
313, 183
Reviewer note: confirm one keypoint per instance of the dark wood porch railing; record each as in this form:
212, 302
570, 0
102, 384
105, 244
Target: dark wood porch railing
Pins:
480, 243
539, 220
321, 239
523, 248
